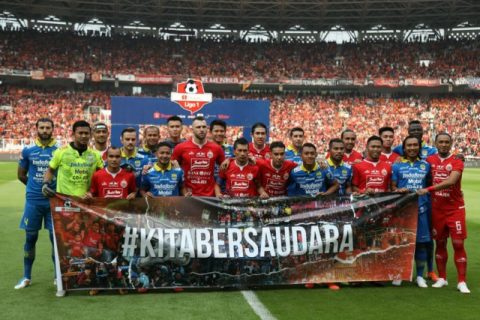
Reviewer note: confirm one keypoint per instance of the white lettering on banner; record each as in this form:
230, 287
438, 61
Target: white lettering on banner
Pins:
237, 242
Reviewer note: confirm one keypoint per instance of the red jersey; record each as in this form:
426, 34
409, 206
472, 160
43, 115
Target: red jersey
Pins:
112, 185
259, 154
452, 197
389, 157
275, 181
198, 164
372, 175
240, 181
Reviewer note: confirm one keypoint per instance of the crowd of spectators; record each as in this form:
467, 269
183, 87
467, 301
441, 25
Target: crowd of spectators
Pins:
67, 52
322, 117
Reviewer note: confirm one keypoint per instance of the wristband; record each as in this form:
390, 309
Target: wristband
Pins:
431, 189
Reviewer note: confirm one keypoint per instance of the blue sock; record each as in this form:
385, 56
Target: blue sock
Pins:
420, 257
429, 248
29, 253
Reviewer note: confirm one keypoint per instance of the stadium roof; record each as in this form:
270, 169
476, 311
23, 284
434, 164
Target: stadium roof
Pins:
245, 14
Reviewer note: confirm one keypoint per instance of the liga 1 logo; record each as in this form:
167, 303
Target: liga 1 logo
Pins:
191, 95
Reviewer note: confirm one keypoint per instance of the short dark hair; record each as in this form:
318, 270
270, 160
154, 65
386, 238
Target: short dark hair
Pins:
218, 122
258, 125
411, 137
308, 145
334, 140
240, 141
128, 129
346, 131
385, 129
81, 124
112, 148
277, 144
414, 122
174, 118
374, 138
199, 118
164, 144
44, 120
151, 127
443, 133
296, 129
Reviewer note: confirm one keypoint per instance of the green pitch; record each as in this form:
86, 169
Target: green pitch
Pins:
406, 302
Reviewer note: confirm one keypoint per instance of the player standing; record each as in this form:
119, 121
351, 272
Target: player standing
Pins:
240, 177
151, 137
448, 210
342, 172
163, 180
293, 151
411, 174
31, 168
113, 181
259, 148
175, 128
372, 175
387, 135
349, 139
131, 159
308, 178
275, 172
100, 139
197, 157
415, 129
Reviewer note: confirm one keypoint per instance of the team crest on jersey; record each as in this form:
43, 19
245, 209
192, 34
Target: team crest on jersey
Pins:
250, 176
191, 95
90, 158
424, 152
384, 172
285, 176
344, 172
449, 167
210, 154
174, 176
123, 183
137, 163
423, 167
267, 156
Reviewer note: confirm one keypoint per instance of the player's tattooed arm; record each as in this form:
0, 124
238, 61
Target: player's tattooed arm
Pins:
22, 175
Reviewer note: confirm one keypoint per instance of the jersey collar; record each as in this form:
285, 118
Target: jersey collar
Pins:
315, 168
331, 164
405, 160
50, 144
124, 155
157, 167
292, 148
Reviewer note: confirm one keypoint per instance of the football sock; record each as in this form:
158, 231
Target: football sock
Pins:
460, 258
29, 253
441, 257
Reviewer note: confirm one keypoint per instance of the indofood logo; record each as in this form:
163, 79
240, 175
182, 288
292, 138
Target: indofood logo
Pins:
191, 95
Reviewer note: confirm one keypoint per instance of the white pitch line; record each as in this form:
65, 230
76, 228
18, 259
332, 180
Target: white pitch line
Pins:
257, 306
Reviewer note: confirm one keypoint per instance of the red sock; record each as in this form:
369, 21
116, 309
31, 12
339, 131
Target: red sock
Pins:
441, 257
460, 258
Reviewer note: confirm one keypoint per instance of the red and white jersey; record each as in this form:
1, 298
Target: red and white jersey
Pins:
349, 158
259, 154
372, 175
112, 185
103, 153
452, 197
389, 157
198, 164
275, 181
240, 180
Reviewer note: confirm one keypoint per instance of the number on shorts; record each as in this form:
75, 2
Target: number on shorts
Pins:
458, 225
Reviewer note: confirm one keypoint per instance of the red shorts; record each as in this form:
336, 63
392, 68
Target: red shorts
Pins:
448, 223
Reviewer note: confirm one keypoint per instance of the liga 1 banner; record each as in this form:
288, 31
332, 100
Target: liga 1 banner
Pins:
197, 242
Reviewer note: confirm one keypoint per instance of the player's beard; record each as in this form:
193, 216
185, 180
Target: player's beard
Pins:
45, 136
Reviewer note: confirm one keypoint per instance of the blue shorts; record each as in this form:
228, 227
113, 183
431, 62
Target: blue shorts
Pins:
33, 215
423, 226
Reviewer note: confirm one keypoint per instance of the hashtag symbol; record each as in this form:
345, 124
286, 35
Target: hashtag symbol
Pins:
130, 242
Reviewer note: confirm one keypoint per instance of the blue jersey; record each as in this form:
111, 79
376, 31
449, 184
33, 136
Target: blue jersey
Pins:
35, 160
293, 155
163, 183
304, 182
148, 153
228, 150
342, 173
425, 151
137, 161
413, 176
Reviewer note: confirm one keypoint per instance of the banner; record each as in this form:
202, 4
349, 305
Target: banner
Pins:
37, 75
153, 79
386, 82
201, 242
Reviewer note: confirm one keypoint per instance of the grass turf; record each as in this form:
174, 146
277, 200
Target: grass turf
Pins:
406, 302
